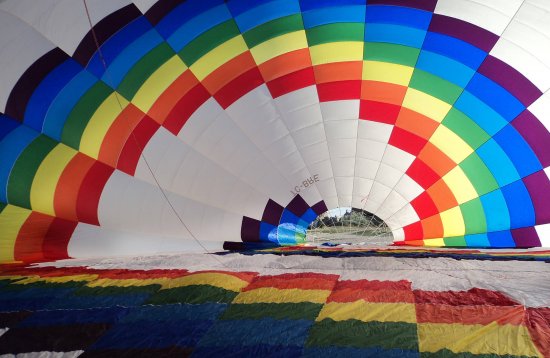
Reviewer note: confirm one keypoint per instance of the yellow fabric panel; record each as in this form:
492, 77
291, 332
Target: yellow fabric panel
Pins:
158, 82
434, 242
228, 282
476, 339
100, 123
425, 104
47, 176
218, 56
369, 311
279, 45
460, 185
387, 72
336, 52
453, 222
57, 279
129, 282
11, 220
275, 295
451, 144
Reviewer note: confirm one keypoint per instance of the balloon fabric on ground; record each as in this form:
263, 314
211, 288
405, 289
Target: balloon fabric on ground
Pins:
143, 127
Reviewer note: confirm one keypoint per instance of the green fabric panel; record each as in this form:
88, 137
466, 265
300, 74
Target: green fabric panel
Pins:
24, 170
435, 86
305, 310
457, 241
2, 206
350, 31
402, 55
354, 333
143, 69
82, 113
474, 216
272, 29
208, 41
465, 128
192, 294
480, 176
115, 290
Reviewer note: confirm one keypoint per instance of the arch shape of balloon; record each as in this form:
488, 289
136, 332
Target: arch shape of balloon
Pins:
248, 118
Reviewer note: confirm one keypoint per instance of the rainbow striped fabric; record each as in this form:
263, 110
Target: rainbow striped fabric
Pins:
100, 313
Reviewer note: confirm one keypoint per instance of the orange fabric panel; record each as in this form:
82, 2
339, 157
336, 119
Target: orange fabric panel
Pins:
432, 227
338, 71
436, 159
442, 196
383, 92
284, 64
228, 72
416, 123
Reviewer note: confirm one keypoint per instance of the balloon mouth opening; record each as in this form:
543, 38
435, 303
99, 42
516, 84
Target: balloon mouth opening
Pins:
349, 225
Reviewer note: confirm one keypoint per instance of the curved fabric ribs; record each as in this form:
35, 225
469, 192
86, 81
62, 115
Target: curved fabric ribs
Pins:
196, 122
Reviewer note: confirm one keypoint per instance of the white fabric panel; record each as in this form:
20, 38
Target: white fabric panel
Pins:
343, 167
178, 168
379, 132
525, 45
366, 168
393, 203
310, 135
344, 188
200, 120
398, 235
547, 171
398, 158
315, 154
20, 47
388, 175
408, 188
369, 149
376, 196
337, 110
297, 100
144, 5
541, 109
342, 148
544, 234
406, 216
341, 129
297, 118
493, 15
63, 22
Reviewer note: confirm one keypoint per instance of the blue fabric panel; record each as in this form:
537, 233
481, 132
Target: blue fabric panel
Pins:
251, 351
238, 7
95, 315
496, 211
138, 335
260, 14
183, 13
25, 304
309, 216
286, 233
308, 5
268, 232
485, 117
395, 34
11, 148
358, 352
7, 125
501, 239
477, 240
48, 89
498, 163
520, 205
454, 48
289, 217
495, 96
129, 57
117, 43
398, 15
518, 150
82, 302
256, 332
64, 103
331, 15
196, 26
169, 312
35, 290
445, 67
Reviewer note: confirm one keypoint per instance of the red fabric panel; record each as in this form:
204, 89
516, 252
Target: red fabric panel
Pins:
424, 206
304, 281
469, 314
135, 144
185, 107
422, 174
413, 231
407, 141
341, 90
57, 239
379, 111
538, 323
474, 296
238, 87
90, 192
291, 82
28, 245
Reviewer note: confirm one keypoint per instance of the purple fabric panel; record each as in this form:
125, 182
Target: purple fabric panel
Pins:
526, 237
298, 206
250, 230
535, 134
463, 30
511, 79
320, 208
427, 5
161, 9
538, 186
272, 213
